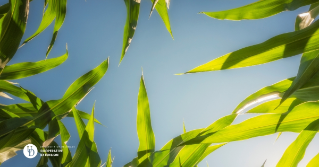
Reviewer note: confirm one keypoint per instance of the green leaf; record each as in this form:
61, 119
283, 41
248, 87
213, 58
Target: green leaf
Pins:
160, 6
83, 115
309, 67
184, 128
144, 126
296, 121
278, 47
26, 69
47, 19
314, 161
260, 9
266, 93
4, 9
109, 160
133, 10
12, 27
53, 108
303, 20
272, 106
86, 153
8, 87
295, 152
10, 152
60, 16
38, 137
169, 151
208, 151
191, 155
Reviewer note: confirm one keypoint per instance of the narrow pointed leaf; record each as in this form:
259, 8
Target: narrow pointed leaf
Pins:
184, 128
144, 126
260, 9
60, 16
303, 20
12, 27
11, 151
272, 106
83, 115
314, 161
278, 47
53, 108
309, 67
6, 86
295, 152
208, 151
296, 121
47, 19
162, 11
26, 69
109, 160
133, 10
264, 94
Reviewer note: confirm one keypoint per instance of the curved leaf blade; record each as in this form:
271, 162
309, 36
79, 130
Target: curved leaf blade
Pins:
278, 47
26, 69
260, 9
133, 10
303, 20
314, 161
12, 27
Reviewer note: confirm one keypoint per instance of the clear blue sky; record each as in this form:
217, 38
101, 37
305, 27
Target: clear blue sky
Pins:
93, 30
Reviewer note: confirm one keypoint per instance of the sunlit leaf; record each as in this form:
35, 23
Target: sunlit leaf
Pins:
11, 151
303, 20
278, 47
12, 27
260, 9
26, 69
133, 10
144, 126
309, 67
295, 152
161, 8
314, 161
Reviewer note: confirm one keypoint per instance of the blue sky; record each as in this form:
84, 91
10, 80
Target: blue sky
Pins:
93, 30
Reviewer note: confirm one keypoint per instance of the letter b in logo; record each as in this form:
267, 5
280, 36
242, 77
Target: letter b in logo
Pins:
30, 151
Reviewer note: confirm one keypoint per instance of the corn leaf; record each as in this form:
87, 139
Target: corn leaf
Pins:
109, 159
314, 162
278, 47
264, 94
144, 126
260, 9
11, 151
296, 121
47, 19
60, 16
133, 10
272, 106
170, 150
37, 138
86, 153
12, 27
309, 67
26, 69
295, 152
208, 151
303, 20
160, 6
54, 108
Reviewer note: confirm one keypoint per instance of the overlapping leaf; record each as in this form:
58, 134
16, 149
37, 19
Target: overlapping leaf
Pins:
260, 9
295, 152
278, 47
26, 69
314, 161
303, 20
53, 108
12, 27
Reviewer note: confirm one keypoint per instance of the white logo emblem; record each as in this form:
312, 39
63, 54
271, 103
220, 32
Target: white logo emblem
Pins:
30, 151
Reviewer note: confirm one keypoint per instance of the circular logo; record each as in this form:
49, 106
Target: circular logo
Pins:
30, 151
